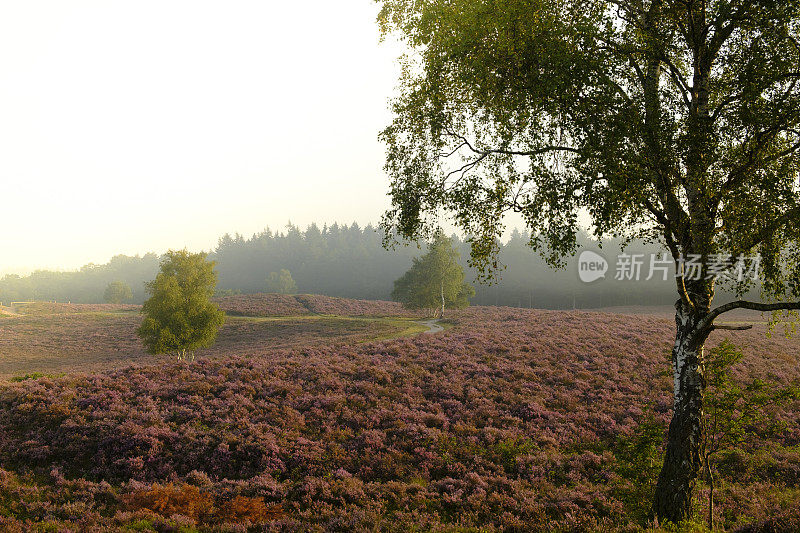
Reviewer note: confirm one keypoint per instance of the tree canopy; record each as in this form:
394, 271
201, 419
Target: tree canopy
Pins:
179, 316
435, 281
641, 114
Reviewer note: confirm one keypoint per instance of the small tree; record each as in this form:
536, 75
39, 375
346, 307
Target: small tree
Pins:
435, 280
179, 316
117, 292
281, 282
735, 413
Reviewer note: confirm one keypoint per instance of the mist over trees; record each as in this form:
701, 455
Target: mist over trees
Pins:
117, 292
281, 283
350, 262
86, 285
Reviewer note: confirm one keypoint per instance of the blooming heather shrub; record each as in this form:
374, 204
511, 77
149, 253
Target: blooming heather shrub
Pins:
261, 305
328, 305
784, 522
513, 420
80, 505
49, 308
304, 304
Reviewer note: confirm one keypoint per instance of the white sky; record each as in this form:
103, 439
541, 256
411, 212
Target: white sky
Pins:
134, 126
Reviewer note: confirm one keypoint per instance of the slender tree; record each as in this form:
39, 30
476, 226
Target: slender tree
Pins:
736, 413
435, 281
672, 120
179, 316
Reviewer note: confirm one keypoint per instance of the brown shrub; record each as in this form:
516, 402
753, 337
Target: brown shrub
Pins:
187, 500
243, 509
168, 500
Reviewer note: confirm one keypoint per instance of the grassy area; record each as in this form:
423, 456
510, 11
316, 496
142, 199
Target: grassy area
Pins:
407, 327
105, 339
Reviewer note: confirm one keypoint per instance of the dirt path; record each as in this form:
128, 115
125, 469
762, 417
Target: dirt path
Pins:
432, 325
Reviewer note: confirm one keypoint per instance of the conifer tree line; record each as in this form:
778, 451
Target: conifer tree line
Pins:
350, 261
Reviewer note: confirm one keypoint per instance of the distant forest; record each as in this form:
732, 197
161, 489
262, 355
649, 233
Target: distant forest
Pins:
350, 261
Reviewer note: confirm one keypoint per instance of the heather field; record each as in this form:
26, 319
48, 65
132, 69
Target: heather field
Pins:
511, 420
262, 305
266, 305
57, 308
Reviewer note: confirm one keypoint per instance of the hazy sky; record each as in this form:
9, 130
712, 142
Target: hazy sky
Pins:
134, 126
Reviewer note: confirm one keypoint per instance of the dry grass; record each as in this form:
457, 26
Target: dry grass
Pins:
55, 308
87, 341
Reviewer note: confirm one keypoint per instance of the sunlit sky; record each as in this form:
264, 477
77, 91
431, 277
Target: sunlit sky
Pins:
128, 127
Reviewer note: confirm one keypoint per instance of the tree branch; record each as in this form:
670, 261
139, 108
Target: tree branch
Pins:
732, 328
503, 151
679, 80
742, 304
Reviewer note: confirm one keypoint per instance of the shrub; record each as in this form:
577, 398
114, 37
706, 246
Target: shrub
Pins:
169, 500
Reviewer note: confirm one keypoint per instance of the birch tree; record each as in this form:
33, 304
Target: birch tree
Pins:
179, 316
671, 120
435, 281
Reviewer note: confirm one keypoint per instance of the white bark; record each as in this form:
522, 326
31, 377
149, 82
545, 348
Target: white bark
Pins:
441, 315
680, 351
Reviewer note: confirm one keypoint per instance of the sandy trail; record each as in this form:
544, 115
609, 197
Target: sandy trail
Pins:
432, 325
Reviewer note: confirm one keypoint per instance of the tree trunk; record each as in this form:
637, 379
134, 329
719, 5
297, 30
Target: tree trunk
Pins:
710, 494
441, 315
682, 459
